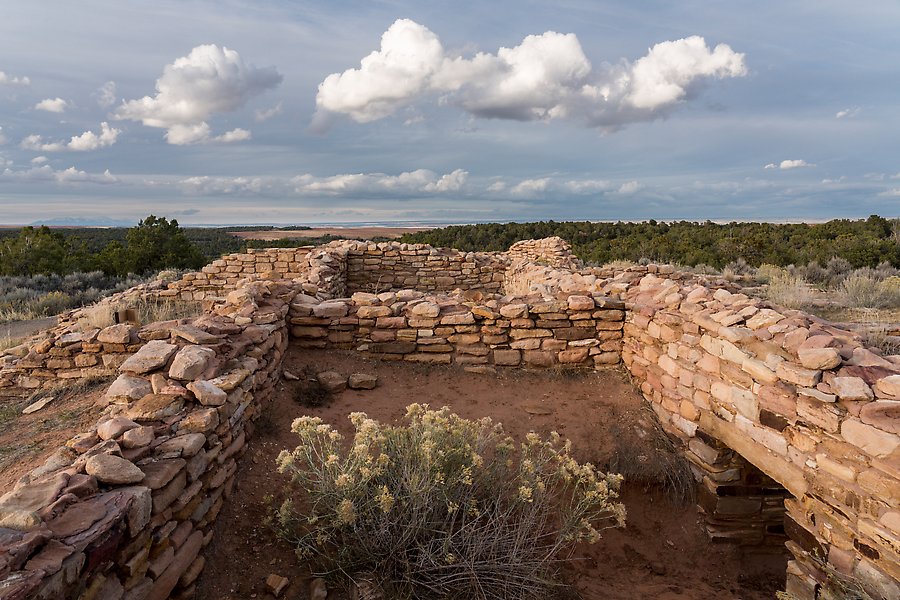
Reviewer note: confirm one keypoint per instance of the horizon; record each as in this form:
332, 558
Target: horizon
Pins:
402, 112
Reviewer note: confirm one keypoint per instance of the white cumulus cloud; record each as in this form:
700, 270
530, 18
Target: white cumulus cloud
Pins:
789, 164
891, 193
106, 94
54, 105
66, 176
545, 77
79, 143
195, 87
6, 79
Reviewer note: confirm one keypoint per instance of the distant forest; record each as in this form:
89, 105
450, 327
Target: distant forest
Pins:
864, 243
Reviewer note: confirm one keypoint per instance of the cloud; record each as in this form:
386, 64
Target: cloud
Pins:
10, 80
106, 94
79, 143
39, 160
265, 114
789, 164
829, 181
64, 177
545, 77
847, 113
535, 187
235, 135
628, 188
3, 138
54, 105
891, 193
195, 87
420, 181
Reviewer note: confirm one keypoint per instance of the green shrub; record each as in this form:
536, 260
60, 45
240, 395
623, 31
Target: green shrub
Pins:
442, 507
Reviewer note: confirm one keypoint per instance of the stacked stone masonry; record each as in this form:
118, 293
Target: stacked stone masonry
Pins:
124, 510
467, 329
801, 400
791, 425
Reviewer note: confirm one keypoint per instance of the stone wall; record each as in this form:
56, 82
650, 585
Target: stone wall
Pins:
552, 251
801, 400
385, 266
473, 330
123, 510
224, 274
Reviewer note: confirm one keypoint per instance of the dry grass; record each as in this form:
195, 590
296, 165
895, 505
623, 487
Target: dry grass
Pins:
790, 291
148, 311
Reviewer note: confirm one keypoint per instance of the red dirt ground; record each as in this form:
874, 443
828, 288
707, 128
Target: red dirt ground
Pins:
662, 553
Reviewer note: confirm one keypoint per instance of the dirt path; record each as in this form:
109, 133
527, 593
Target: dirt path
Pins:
15, 330
663, 553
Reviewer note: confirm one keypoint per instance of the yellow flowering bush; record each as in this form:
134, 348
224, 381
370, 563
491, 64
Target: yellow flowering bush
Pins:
442, 507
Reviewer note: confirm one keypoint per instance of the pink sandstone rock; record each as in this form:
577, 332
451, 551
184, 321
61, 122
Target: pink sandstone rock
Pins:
113, 428
207, 393
819, 358
851, 389
113, 469
889, 386
874, 441
883, 414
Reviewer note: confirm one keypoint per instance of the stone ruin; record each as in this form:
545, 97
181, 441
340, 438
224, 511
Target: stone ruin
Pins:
791, 425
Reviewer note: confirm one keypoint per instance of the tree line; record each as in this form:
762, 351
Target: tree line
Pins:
864, 243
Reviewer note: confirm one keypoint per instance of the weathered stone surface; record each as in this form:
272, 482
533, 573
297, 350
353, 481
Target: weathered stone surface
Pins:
113, 428
158, 474
207, 393
187, 445
425, 310
155, 407
798, 375
362, 381
129, 388
137, 437
874, 441
885, 415
330, 310
889, 386
115, 334
194, 335
113, 469
332, 381
819, 358
851, 389
153, 355
507, 357
199, 421
190, 362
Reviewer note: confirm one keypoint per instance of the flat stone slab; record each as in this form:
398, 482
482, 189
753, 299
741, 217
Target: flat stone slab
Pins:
153, 355
362, 381
113, 469
190, 362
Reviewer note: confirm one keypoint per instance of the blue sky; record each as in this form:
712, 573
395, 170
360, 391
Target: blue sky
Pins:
323, 112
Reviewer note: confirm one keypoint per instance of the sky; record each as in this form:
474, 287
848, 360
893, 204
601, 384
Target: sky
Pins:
285, 112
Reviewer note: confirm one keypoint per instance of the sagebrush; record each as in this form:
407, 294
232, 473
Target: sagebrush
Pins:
442, 507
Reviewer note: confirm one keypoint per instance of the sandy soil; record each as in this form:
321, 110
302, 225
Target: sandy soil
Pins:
315, 232
662, 553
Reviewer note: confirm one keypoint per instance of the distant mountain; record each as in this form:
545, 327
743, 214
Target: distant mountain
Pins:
83, 222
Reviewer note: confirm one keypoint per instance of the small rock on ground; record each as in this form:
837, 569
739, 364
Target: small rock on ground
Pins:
332, 381
363, 381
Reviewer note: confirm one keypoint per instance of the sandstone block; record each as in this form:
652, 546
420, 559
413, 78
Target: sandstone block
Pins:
113, 428
153, 355
575, 355
332, 381
872, 440
851, 389
883, 414
154, 407
113, 469
819, 358
390, 322
190, 362
514, 311
362, 381
425, 310
137, 437
115, 334
330, 310
507, 357
580, 303
207, 393
889, 386
798, 375
465, 318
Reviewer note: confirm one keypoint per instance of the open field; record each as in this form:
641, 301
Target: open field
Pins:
318, 232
